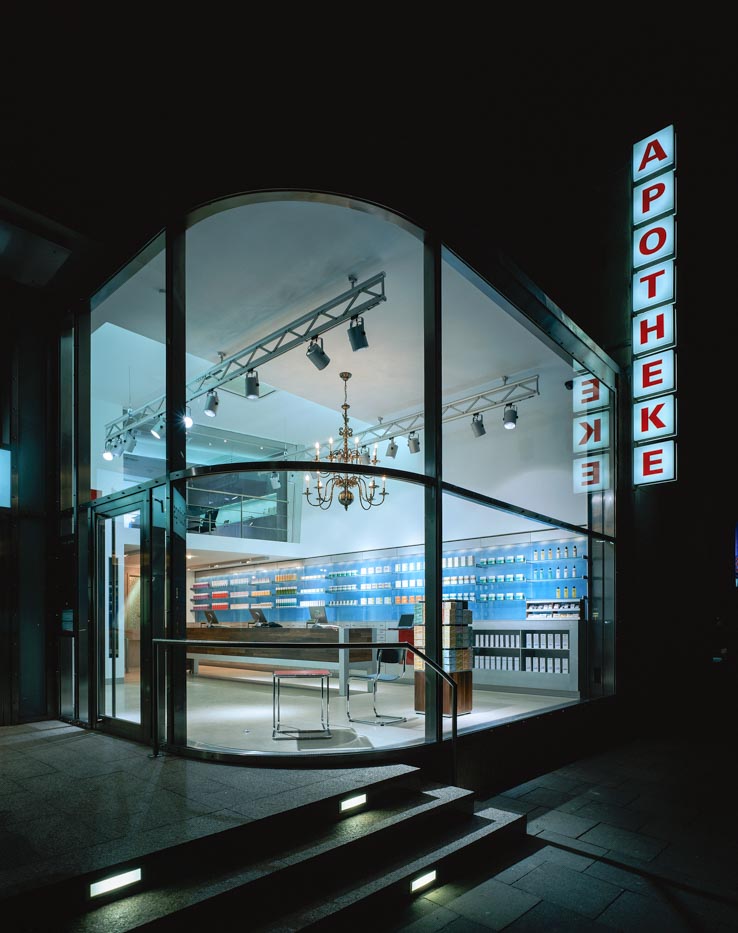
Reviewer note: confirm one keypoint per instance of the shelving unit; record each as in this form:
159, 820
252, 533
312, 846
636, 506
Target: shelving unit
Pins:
540, 653
500, 581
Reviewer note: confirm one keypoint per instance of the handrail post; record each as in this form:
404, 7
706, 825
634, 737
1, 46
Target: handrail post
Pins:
155, 696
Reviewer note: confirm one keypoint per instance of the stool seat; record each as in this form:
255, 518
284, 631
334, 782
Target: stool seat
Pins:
322, 674
308, 672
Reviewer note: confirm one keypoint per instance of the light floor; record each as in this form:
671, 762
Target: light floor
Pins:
230, 708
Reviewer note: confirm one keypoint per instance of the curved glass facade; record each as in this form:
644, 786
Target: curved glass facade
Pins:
337, 387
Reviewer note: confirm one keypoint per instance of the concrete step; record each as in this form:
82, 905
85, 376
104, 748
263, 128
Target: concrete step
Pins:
312, 869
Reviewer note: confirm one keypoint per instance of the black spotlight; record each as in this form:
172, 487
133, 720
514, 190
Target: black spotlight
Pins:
357, 334
317, 355
252, 384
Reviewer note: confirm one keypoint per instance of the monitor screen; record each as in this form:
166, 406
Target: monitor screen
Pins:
407, 620
258, 616
317, 614
211, 617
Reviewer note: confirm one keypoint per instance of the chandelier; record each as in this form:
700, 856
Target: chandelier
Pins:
345, 486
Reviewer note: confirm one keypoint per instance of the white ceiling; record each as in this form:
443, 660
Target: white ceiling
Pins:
255, 268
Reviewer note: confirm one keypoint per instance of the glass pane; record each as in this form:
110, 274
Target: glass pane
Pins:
128, 375
526, 586
291, 294
508, 403
120, 612
343, 574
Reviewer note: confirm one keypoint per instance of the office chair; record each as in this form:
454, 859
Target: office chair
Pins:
397, 659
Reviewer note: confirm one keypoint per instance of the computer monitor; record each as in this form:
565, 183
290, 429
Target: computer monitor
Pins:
258, 616
407, 620
318, 616
211, 617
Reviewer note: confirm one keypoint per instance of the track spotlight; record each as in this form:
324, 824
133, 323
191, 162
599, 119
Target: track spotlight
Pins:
129, 441
274, 480
187, 419
366, 457
477, 425
252, 384
160, 428
108, 451
117, 446
413, 443
317, 355
357, 334
510, 416
391, 451
211, 403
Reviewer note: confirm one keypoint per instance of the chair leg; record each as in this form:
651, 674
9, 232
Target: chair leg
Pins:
380, 719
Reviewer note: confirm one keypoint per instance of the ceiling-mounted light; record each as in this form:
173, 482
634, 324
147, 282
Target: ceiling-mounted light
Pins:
108, 451
252, 384
117, 446
274, 480
357, 334
317, 355
211, 403
391, 451
366, 457
510, 416
129, 441
477, 425
160, 428
413, 443
187, 419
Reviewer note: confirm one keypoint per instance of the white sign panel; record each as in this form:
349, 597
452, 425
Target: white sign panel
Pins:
654, 463
656, 417
654, 330
653, 286
654, 154
654, 241
588, 393
654, 198
654, 374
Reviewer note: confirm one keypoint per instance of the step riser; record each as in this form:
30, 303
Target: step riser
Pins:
265, 898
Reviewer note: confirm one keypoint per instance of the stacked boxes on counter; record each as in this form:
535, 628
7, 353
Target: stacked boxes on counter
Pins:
457, 652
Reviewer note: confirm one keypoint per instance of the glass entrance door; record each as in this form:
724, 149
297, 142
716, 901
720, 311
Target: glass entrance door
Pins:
120, 616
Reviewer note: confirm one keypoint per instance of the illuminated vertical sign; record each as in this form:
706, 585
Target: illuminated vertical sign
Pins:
653, 308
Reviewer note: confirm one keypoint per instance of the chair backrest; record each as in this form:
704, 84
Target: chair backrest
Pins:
392, 656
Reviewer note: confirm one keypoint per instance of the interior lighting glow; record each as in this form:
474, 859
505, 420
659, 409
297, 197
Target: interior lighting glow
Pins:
422, 881
115, 882
351, 802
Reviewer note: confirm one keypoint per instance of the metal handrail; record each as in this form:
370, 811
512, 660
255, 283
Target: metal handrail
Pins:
160, 643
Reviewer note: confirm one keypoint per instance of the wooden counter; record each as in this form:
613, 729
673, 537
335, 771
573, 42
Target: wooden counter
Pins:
282, 655
283, 636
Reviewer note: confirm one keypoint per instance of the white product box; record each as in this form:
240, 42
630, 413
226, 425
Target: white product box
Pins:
565, 640
535, 665
549, 665
557, 639
528, 640
550, 640
529, 663
564, 665
516, 664
557, 665
536, 640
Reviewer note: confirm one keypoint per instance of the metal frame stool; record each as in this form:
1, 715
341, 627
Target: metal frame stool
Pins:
277, 731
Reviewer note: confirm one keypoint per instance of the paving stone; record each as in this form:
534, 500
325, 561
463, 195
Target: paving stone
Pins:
546, 797
494, 904
584, 848
554, 919
636, 913
571, 860
622, 840
573, 890
612, 815
565, 824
